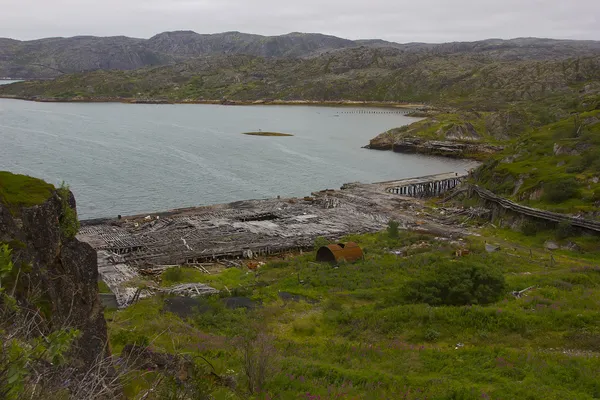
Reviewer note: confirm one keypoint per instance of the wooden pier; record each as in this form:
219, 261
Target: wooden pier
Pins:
399, 112
427, 186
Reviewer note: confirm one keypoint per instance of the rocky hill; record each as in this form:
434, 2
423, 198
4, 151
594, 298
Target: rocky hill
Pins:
52, 57
51, 321
363, 73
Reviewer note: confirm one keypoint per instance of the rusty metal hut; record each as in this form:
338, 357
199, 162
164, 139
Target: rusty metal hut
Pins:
335, 253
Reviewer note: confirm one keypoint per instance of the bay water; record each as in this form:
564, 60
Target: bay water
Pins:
129, 159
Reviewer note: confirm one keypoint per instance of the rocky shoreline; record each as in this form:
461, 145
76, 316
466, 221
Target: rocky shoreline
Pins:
444, 148
129, 100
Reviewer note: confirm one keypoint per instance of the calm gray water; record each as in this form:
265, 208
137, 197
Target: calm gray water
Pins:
125, 159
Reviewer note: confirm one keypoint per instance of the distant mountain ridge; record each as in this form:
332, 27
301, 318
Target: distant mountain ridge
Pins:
51, 57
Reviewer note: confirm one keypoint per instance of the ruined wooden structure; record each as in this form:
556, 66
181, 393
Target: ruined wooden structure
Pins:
534, 212
229, 234
428, 186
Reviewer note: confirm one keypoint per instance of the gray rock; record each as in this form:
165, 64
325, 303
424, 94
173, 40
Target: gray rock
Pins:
491, 248
64, 270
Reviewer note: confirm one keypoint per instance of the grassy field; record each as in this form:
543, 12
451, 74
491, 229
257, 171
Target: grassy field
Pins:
357, 331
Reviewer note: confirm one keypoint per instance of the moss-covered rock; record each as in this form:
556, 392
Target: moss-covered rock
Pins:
18, 191
58, 274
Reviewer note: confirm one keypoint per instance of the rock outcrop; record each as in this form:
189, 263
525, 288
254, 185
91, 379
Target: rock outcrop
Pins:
444, 148
61, 271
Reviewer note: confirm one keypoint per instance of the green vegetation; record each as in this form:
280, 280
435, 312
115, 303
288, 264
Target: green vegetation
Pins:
69, 223
17, 191
6, 265
392, 229
553, 166
103, 287
415, 319
462, 79
26, 347
267, 134
456, 284
366, 330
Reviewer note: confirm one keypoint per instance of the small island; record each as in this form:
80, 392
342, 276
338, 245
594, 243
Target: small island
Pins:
267, 134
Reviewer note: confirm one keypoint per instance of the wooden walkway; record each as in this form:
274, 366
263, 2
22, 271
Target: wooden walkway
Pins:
426, 186
434, 185
536, 213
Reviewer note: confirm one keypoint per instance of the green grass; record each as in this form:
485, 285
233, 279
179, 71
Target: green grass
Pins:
552, 167
228, 279
17, 191
103, 287
355, 336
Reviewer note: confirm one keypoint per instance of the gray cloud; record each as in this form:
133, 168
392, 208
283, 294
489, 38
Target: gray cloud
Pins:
396, 20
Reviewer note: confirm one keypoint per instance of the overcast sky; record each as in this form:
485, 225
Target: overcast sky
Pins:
395, 20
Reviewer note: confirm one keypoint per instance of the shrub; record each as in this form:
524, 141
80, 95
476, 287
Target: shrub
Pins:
69, 224
432, 335
561, 190
125, 337
305, 327
259, 359
173, 275
6, 264
392, 229
564, 230
530, 228
31, 355
456, 284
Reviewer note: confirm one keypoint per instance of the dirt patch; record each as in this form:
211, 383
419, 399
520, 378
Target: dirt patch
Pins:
239, 302
286, 296
186, 307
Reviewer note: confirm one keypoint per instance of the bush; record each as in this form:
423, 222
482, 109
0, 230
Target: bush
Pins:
31, 354
69, 224
564, 230
561, 190
259, 360
596, 195
173, 275
457, 284
432, 335
530, 228
125, 337
392, 229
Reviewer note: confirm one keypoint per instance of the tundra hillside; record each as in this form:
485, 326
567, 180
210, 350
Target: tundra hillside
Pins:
52, 57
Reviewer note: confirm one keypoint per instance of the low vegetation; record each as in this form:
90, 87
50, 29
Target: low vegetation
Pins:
27, 346
69, 223
363, 74
552, 167
422, 324
17, 191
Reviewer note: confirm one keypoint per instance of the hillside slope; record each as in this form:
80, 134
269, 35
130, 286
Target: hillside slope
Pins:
51, 57
371, 74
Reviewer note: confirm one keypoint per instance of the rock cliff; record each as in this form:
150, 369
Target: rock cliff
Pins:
60, 271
